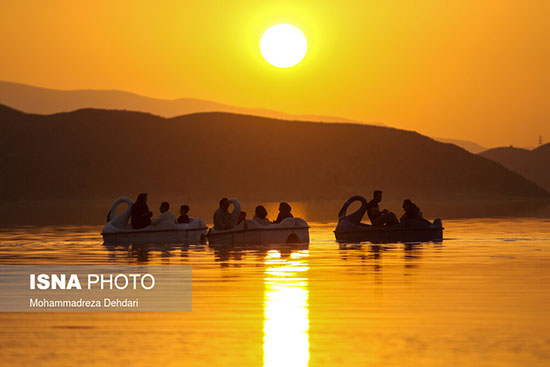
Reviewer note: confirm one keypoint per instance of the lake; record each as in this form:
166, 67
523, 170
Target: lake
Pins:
479, 298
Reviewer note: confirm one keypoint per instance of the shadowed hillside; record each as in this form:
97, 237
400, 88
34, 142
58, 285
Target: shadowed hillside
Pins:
93, 156
532, 164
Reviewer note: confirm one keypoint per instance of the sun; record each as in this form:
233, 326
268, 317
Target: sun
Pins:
283, 45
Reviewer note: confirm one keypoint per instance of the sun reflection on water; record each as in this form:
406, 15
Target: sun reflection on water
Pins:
286, 310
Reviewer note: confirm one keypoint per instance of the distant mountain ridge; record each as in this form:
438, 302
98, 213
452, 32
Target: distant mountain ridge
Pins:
40, 100
470, 146
532, 164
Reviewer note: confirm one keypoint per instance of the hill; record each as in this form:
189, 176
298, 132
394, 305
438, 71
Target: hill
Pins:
39, 100
90, 157
532, 164
470, 146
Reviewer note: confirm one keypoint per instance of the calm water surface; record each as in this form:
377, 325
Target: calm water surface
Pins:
481, 298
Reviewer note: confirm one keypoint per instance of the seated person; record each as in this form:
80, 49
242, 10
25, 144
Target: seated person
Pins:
165, 215
411, 211
260, 215
242, 216
141, 215
184, 218
379, 218
284, 212
222, 218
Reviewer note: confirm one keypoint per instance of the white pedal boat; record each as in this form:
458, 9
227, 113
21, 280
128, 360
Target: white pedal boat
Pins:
119, 231
250, 232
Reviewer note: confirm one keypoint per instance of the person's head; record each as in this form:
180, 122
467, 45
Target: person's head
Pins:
242, 216
260, 212
184, 209
284, 207
407, 204
224, 203
377, 196
142, 198
164, 206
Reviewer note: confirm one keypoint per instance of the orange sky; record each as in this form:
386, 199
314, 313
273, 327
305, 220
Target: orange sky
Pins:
473, 69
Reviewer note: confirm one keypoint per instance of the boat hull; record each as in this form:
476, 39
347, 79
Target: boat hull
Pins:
432, 232
289, 231
164, 233
167, 236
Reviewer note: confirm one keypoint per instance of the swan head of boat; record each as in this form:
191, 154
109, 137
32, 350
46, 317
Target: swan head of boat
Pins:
121, 220
356, 216
236, 210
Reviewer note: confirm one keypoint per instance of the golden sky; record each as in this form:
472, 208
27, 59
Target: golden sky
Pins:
468, 69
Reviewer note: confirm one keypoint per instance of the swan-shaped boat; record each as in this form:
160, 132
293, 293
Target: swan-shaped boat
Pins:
350, 228
119, 231
250, 232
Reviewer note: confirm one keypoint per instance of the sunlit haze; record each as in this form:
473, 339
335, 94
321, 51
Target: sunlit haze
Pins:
475, 70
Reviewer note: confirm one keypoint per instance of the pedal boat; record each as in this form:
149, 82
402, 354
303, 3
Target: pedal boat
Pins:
118, 230
350, 228
250, 232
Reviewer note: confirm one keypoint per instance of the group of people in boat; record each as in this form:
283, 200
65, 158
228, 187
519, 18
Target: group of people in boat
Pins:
141, 216
223, 219
382, 218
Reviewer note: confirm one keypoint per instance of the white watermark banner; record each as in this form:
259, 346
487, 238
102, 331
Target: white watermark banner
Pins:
95, 288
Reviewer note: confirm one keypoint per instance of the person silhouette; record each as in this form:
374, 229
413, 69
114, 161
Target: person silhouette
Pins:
379, 218
165, 215
184, 217
411, 211
242, 217
222, 218
260, 215
284, 212
141, 215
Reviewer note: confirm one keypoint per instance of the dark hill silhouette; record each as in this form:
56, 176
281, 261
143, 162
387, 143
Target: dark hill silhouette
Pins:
40, 100
32, 99
92, 156
532, 164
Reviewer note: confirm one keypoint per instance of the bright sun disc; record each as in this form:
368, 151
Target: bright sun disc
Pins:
283, 45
